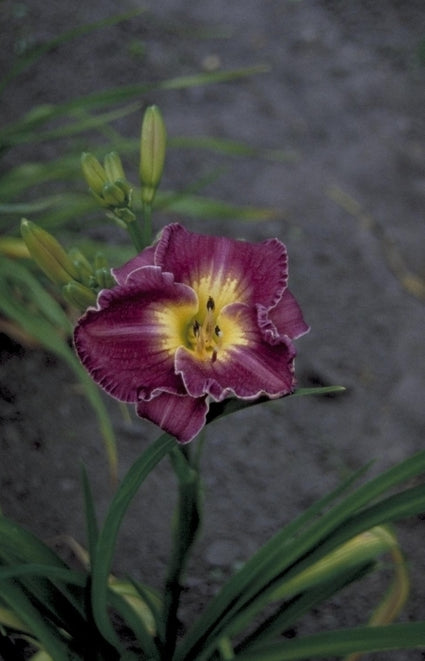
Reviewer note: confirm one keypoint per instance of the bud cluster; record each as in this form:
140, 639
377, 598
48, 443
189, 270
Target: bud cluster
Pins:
109, 185
79, 280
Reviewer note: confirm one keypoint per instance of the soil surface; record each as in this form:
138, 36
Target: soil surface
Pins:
338, 116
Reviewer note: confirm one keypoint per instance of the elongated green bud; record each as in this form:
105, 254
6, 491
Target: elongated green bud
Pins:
108, 184
47, 252
78, 295
102, 272
113, 195
152, 152
104, 279
83, 266
94, 173
113, 167
100, 261
13, 247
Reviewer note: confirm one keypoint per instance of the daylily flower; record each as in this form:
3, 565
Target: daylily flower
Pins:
193, 319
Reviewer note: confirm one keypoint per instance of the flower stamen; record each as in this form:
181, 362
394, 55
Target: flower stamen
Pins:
210, 303
207, 335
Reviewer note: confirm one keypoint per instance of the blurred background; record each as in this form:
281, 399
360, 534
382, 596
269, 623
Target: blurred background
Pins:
297, 119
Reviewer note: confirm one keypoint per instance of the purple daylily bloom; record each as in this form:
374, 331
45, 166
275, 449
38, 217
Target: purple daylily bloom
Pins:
193, 318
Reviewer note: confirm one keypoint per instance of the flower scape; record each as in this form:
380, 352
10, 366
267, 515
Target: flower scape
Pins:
193, 319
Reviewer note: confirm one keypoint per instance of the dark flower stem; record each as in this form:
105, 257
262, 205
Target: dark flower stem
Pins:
185, 527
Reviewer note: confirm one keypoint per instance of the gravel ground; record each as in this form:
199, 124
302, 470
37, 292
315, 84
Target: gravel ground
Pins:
342, 99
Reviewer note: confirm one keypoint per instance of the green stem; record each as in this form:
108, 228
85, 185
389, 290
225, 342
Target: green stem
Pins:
186, 526
147, 224
136, 235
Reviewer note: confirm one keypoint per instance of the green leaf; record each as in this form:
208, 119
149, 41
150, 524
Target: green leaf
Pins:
196, 206
342, 642
208, 627
48, 635
25, 546
292, 551
287, 616
322, 390
231, 148
64, 575
78, 122
153, 602
41, 316
232, 404
185, 527
26, 129
43, 576
90, 516
136, 624
26, 61
408, 503
108, 535
14, 274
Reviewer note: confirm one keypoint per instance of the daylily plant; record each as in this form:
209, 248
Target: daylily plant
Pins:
193, 319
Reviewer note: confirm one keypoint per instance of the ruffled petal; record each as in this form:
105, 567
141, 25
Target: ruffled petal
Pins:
249, 369
284, 319
145, 258
288, 318
182, 417
227, 270
128, 343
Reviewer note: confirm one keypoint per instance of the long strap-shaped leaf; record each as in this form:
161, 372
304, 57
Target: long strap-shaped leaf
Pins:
105, 546
286, 549
22, 552
341, 642
26, 129
50, 327
227, 599
45, 632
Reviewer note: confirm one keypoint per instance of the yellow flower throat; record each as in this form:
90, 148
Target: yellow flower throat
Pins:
205, 338
209, 332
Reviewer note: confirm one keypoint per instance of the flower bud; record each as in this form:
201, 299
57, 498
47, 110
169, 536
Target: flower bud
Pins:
104, 279
113, 195
13, 247
152, 152
108, 184
83, 266
47, 252
94, 173
102, 272
78, 295
113, 167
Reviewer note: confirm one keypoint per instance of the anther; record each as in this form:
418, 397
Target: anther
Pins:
196, 328
210, 303
217, 331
